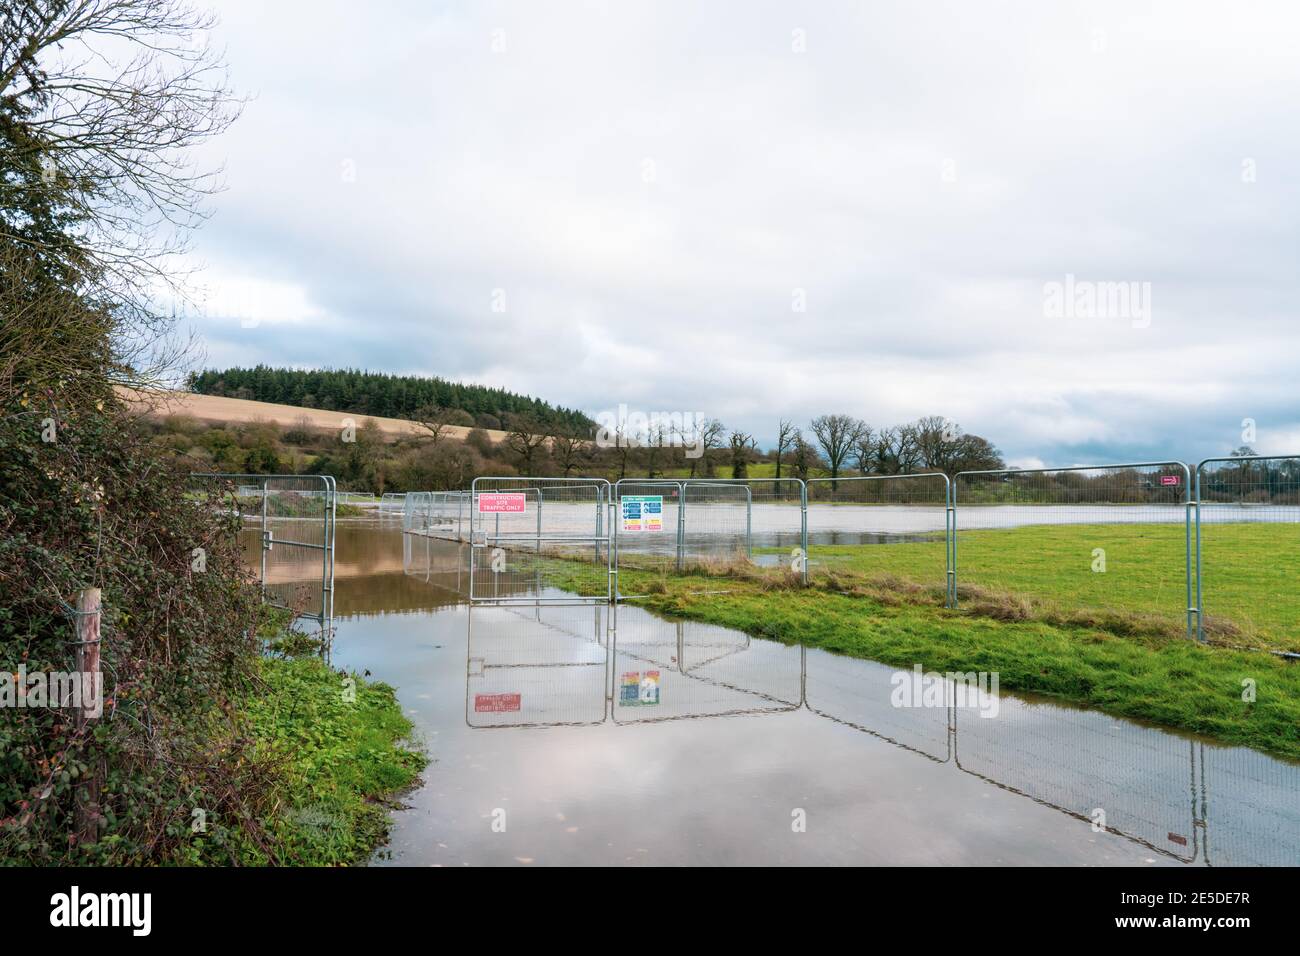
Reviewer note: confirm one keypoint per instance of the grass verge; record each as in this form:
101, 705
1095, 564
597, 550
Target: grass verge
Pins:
338, 742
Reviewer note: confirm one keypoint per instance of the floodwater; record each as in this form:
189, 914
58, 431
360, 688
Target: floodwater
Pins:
728, 525
699, 745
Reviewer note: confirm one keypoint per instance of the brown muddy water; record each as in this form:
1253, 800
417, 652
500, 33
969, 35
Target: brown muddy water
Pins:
699, 745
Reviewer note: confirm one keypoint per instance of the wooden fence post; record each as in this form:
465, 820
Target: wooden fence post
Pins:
92, 702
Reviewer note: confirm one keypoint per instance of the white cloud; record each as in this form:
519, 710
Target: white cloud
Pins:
772, 171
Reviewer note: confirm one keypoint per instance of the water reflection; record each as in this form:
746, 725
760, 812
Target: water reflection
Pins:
552, 666
1133, 780
962, 788
536, 667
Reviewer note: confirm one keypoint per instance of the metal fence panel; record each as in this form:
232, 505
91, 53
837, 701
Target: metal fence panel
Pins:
539, 539
884, 525
641, 540
1113, 538
289, 530
442, 514
773, 531
1247, 562
663, 523
717, 524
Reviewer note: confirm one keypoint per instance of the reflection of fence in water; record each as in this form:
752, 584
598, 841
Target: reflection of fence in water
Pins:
1080, 762
858, 693
543, 665
699, 670
1251, 803
436, 561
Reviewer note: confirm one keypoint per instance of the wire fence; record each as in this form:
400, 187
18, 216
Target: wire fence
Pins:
1114, 538
1251, 803
648, 523
1151, 545
519, 526
441, 514
288, 530
859, 694
537, 664
438, 561
775, 527
666, 524
1247, 563
884, 525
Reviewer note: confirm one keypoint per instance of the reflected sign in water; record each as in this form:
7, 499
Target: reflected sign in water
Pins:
550, 665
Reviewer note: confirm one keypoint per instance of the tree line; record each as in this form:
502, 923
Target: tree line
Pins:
387, 396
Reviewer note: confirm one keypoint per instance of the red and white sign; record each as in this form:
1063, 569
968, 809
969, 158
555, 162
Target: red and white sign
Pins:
1169, 479
509, 503
496, 703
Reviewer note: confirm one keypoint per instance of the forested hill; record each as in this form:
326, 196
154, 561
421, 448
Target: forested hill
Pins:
377, 393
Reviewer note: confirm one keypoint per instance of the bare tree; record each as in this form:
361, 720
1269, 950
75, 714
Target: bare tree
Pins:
909, 452
784, 440
896, 451
742, 450
803, 456
622, 449
655, 446
710, 437
101, 102
836, 434
936, 441
435, 420
524, 438
864, 446
568, 450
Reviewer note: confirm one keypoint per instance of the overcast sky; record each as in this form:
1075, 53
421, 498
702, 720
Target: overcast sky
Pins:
761, 210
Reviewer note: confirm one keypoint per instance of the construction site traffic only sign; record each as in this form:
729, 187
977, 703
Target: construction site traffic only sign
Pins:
508, 503
643, 512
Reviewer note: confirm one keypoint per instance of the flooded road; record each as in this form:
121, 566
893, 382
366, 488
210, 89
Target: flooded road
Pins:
700, 745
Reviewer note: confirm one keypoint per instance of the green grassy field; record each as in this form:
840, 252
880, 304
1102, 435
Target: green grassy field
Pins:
1250, 573
1032, 609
